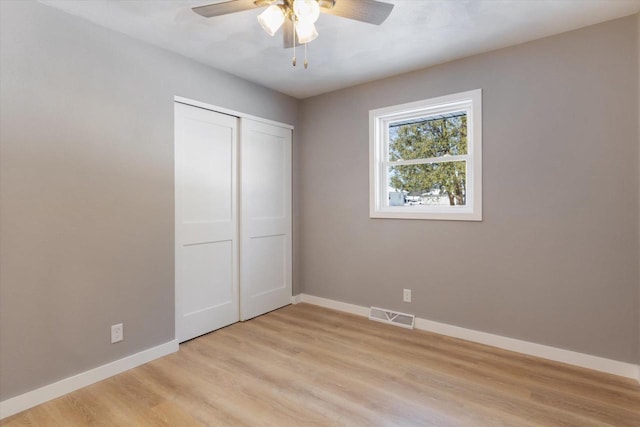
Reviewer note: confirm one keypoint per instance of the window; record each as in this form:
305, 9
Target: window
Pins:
426, 159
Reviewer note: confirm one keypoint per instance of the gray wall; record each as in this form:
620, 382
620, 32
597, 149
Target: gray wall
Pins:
555, 260
86, 194
87, 189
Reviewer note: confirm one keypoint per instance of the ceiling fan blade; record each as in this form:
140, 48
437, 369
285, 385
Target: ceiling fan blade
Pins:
287, 34
230, 6
370, 11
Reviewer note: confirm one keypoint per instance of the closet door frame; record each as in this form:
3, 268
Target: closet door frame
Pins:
240, 116
229, 112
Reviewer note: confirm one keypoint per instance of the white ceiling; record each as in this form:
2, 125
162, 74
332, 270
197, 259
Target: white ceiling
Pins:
417, 34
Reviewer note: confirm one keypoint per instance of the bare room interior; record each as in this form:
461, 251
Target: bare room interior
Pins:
320, 212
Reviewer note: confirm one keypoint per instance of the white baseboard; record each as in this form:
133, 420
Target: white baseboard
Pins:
43, 394
597, 363
336, 305
296, 299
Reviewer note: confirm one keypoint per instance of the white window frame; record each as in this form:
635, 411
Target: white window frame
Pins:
379, 119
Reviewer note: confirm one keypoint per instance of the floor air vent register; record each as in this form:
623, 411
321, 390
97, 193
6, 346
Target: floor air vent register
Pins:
392, 317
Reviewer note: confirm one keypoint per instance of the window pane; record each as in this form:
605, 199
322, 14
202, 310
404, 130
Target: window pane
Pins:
423, 138
435, 184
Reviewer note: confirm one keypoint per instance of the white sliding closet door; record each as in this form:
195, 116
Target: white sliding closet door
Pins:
206, 221
265, 218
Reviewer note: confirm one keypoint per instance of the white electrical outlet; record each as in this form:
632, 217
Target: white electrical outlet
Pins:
117, 333
406, 295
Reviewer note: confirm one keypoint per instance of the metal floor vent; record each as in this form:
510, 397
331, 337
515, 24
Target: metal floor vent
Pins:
392, 317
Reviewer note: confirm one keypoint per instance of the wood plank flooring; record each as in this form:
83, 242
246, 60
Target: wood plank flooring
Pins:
306, 365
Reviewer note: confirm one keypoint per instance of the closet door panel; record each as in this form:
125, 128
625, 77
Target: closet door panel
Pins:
209, 268
207, 182
268, 267
206, 221
265, 228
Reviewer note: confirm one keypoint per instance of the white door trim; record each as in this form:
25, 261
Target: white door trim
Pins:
223, 110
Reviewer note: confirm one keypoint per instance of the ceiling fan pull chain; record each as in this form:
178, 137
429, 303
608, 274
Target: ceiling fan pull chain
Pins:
306, 63
294, 43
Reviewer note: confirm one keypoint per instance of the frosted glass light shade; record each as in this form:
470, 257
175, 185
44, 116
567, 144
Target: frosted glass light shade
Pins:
271, 19
306, 31
306, 10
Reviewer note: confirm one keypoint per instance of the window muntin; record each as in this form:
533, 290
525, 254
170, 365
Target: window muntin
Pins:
426, 159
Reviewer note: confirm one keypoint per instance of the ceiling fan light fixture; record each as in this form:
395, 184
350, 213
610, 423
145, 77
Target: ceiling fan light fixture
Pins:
299, 16
306, 31
306, 10
271, 19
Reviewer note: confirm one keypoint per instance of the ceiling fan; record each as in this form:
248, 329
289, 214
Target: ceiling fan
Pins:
298, 17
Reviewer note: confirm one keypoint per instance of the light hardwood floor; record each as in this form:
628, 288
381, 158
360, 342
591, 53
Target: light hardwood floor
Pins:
306, 365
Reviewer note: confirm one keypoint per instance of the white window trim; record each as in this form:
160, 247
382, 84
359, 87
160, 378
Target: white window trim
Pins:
471, 102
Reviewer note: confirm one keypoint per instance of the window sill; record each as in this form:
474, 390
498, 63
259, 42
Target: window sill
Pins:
454, 214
